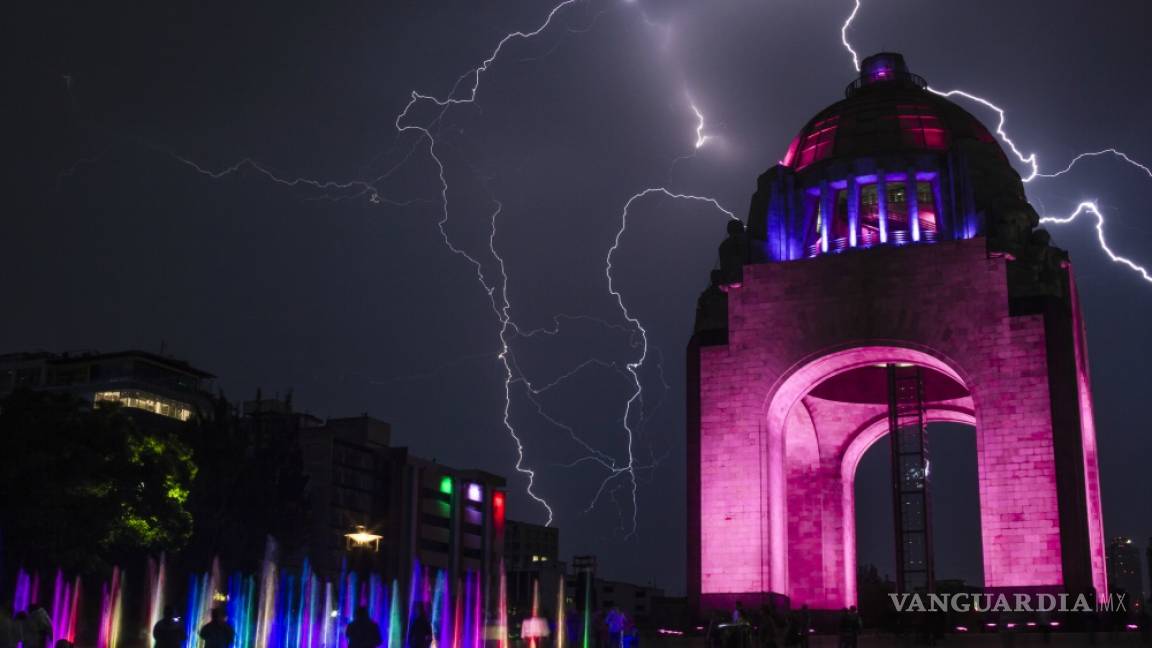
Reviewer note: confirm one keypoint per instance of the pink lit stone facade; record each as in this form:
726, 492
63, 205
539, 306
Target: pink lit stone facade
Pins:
772, 464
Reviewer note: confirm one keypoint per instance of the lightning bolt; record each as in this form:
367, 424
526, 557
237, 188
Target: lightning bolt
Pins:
497, 291
345, 190
506, 324
1089, 207
1108, 151
1030, 160
701, 138
499, 303
634, 366
844, 35
465, 91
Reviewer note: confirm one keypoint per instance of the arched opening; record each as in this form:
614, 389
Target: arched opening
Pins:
822, 419
955, 517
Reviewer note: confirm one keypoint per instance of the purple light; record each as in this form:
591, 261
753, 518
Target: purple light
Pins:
474, 493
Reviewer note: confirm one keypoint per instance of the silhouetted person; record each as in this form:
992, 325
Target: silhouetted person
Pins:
168, 632
363, 631
420, 632
849, 627
8, 633
738, 613
217, 633
38, 630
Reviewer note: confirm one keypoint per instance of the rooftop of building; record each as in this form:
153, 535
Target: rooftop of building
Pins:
91, 356
887, 110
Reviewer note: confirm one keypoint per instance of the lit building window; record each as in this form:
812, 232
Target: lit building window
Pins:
142, 400
898, 231
869, 216
926, 202
838, 224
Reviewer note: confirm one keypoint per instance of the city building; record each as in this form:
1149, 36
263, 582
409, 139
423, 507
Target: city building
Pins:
143, 383
378, 507
526, 545
635, 601
335, 491
1125, 571
642, 605
890, 274
535, 574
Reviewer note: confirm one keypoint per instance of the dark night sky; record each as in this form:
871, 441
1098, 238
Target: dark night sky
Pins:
110, 242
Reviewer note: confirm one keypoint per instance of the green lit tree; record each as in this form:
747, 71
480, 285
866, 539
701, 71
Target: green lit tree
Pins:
83, 488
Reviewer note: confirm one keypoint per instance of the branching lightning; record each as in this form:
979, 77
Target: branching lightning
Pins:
500, 304
497, 291
1089, 207
345, 190
634, 366
465, 91
1107, 151
1031, 160
503, 312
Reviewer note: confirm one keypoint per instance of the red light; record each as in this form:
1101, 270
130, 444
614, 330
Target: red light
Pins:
498, 507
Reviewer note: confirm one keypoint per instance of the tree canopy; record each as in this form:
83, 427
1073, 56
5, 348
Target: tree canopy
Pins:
80, 488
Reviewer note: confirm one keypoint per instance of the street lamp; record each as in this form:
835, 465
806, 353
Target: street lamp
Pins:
362, 538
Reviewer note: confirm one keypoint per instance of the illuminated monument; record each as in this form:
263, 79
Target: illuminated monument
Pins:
890, 274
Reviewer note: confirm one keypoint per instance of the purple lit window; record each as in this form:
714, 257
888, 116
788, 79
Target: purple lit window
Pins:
926, 209
869, 216
898, 230
474, 492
